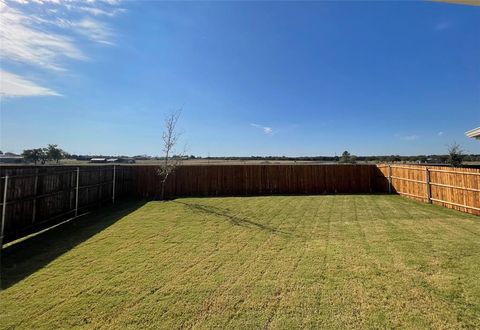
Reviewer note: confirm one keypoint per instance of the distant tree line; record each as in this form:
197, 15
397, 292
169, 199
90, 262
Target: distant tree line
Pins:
454, 157
443, 159
42, 155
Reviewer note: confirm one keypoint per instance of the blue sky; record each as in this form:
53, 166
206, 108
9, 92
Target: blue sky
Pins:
253, 78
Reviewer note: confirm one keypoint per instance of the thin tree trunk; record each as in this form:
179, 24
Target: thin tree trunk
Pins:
162, 194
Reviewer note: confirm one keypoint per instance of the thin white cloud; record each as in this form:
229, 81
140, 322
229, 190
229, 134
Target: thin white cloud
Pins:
101, 12
89, 28
40, 2
111, 2
410, 137
440, 133
43, 35
95, 30
12, 85
23, 42
266, 130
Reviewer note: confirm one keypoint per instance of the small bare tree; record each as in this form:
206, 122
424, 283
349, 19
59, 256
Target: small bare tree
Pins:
170, 139
455, 155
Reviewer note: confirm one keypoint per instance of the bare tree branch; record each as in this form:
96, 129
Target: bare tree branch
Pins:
170, 139
455, 155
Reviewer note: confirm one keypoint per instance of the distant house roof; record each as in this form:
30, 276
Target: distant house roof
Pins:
11, 156
98, 160
11, 159
121, 160
474, 133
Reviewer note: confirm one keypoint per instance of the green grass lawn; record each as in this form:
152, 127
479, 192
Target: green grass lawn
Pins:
359, 261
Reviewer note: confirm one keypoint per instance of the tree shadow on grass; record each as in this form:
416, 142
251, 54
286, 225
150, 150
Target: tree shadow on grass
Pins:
233, 219
24, 258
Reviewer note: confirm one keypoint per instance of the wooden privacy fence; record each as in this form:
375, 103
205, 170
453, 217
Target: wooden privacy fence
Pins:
34, 198
38, 197
456, 188
244, 180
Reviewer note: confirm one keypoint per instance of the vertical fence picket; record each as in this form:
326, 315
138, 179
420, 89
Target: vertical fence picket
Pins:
4, 211
35, 190
77, 191
113, 185
389, 179
428, 187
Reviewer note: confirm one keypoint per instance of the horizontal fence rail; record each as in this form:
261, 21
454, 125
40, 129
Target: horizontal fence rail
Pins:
35, 197
456, 188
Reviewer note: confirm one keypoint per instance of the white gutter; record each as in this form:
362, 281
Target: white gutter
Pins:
474, 133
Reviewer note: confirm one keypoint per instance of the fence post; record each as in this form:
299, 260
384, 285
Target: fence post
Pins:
76, 191
428, 186
35, 189
4, 210
389, 179
113, 185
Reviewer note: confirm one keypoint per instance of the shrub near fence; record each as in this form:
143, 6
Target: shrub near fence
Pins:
456, 188
39, 197
248, 180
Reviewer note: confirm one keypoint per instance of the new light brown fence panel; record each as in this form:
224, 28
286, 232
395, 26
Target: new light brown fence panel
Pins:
456, 188
410, 181
245, 180
38, 197
444, 179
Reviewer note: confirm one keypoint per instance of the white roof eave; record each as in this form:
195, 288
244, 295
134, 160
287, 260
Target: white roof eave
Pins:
474, 133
